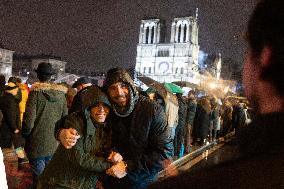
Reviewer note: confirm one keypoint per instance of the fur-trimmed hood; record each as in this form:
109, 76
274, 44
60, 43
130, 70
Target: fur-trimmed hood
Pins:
38, 86
51, 91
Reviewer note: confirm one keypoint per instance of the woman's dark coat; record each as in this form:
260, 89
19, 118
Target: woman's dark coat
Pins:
201, 121
180, 129
10, 122
80, 166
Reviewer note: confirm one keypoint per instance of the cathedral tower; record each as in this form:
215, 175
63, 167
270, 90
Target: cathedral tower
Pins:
167, 62
150, 31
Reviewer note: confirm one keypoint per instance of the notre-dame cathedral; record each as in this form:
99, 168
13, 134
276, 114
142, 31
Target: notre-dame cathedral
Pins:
167, 62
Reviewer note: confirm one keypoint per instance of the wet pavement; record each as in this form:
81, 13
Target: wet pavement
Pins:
17, 177
207, 155
219, 153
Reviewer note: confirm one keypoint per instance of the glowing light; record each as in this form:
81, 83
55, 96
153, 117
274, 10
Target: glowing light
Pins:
226, 90
212, 85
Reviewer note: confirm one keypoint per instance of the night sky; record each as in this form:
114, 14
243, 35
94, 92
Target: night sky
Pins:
97, 35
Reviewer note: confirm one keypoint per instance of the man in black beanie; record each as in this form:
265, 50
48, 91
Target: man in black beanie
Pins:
140, 133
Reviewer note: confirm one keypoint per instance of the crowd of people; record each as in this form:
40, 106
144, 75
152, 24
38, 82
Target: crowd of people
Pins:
198, 120
140, 133
110, 136
115, 137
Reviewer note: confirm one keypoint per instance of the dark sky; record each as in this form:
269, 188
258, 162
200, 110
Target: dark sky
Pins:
98, 35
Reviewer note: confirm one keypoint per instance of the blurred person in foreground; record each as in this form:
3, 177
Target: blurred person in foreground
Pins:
261, 144
140, 133
84, 164
45, 106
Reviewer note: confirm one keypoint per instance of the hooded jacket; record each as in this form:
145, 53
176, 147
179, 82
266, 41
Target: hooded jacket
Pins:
80, 166
201, 120
45, 106
10, 121
140, 135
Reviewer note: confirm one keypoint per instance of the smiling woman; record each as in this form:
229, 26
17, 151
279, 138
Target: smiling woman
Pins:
92, 152
99, 112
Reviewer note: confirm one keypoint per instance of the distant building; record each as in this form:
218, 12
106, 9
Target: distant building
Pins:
167, 62
24, 65
6, 62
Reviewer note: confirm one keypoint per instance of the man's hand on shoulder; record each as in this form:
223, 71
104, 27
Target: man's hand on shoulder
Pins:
68, 137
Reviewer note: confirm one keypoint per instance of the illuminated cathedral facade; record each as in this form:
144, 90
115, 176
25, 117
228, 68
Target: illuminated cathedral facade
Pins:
168, 62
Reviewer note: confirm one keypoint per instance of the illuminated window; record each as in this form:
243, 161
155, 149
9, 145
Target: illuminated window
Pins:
152, 35
184, 31
163, 53
179, 33
147, 34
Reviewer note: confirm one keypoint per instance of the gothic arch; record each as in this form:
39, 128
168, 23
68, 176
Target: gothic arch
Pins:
179, 33
184, 33
149, 28
147, 34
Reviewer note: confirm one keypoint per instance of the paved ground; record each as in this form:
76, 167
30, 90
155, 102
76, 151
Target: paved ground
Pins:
17, 178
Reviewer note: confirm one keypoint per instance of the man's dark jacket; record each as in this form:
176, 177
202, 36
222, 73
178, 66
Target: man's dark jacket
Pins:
11, 118
201, 122
144, 142
260, 165
180, 129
